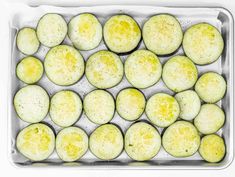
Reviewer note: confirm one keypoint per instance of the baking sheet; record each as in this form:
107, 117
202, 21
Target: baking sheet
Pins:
219, 17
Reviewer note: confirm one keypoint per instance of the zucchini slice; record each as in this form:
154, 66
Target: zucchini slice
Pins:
162, 34
143, 69
212, 148
211, 87
104, 69
99, 106
27, 41
106, 142
31, 103
64, 65
190, 104
181, 139
29, 70
142, 141
130, 104
36, 142
85, 31
121, 33
179, 73
162, 109
65, 108
51, 29
210, 119
71, 144
203, 43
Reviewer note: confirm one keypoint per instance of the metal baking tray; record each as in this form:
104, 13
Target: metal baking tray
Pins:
217, 16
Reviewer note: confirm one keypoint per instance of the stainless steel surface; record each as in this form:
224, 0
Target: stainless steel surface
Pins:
187, 16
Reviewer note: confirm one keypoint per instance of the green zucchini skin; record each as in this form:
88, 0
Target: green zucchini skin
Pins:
179, 73
162, 34
29, 70
106, 142
31, 103
203, 43
65, 108
71, 144
212, 148
27, 41
210, 119
31, 143
143, 69
122, 34
211, 87
142, 141
181, 139
51, 29
85, 31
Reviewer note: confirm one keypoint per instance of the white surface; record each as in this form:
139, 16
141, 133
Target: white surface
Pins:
9, 170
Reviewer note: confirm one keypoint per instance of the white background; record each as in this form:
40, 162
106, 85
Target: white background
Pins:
7, 169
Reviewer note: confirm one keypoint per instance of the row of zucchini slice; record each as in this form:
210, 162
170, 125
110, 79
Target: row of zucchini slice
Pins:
64, 65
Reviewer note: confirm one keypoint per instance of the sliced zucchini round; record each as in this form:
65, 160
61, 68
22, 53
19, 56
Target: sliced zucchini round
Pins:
143, 69
142, 141
104, 69
64, 65
162, 34
130, 104
31, 103
121, 33
27, 41
99, 106
212, 148
203, 43
210, 119
181, 139
71, 144
190, 104
179, 73
211, 87
51, 29
36, 142
85, 31
65, 108
106, 142
29, 70
162, 109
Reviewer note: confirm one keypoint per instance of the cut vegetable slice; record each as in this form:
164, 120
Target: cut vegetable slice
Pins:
121, 33
190, 104
142, 141
203, 43
64, 65
36, 142
99, 106
31, 103
66, 108
162, 109
104, 69
51, 29
130, 104
179, 73
143, 69
29, 70
27, 41
210, 119
211, 87
71, 144
85, 31
181, 139
106, 142
162, 34
212, 148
